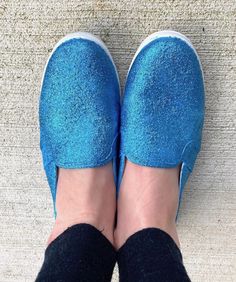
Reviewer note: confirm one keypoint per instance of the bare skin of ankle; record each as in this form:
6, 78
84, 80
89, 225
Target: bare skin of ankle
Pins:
85, 196
148, 197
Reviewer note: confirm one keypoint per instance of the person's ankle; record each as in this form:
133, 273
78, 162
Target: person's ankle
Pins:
123, 232
62, 224
85, 196
148, 198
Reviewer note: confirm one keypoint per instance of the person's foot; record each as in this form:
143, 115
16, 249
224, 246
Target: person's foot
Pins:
148, 197
79, 117
85, 196
161, 125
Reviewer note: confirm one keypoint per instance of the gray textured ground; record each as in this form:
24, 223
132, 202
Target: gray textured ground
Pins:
28, 31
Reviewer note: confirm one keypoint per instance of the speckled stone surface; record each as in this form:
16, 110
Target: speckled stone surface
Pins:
28, 31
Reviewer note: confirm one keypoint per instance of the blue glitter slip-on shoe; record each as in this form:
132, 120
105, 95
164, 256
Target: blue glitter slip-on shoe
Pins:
79, 107
162, 112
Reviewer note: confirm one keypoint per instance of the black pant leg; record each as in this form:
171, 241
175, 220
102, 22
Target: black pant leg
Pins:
151, 255
79, 254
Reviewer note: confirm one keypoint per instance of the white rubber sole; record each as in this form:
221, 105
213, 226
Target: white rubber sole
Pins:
82, 35
162, 34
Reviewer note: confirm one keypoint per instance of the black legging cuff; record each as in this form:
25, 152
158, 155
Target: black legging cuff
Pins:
81, 254
151, 255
